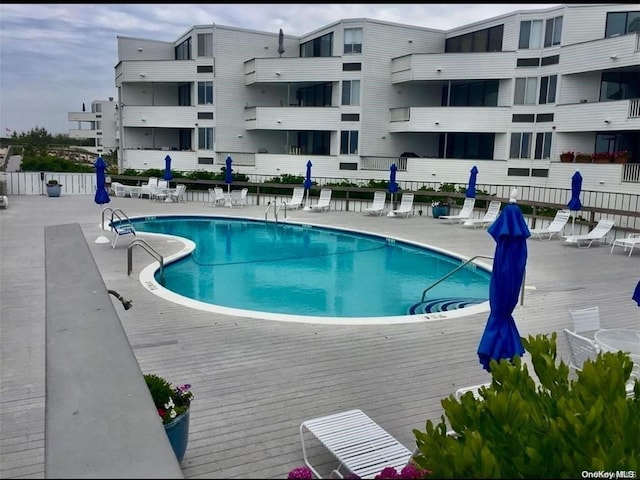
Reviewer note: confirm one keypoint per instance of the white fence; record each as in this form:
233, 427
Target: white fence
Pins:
31, 183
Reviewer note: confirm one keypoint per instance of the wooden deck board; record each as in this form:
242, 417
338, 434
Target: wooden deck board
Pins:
255, 380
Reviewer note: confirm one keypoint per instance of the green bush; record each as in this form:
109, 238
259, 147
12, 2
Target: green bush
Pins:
559, 429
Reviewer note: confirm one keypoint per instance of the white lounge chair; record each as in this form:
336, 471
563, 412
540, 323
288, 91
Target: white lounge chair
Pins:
585, 320
216, 196
323, 201
406, 206
377, 208
118, 189
297, 197
597, 234
493, 210
554, 228
630, 241
361, 446
465, 212
179, 194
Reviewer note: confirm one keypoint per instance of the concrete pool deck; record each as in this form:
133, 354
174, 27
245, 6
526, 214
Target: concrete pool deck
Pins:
254, 380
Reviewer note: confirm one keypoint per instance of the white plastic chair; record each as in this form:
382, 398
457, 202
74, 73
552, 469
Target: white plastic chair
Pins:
585, 319
406, 206
489, 217
465, 212
179, 194
597, 234
554, 228
581, 349
216, 196
323, 201
377, 208
297, 197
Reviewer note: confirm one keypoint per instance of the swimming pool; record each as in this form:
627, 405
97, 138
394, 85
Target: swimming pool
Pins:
298, 272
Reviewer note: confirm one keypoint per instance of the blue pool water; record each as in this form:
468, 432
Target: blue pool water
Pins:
309, 270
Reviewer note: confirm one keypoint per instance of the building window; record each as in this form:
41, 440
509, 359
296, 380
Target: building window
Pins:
184, 95
318, 47
351, 67
619, 86
523, 118
621, 23
544, 117
351, 92
205, 68
543, 146
205, 44
553, 32
349, 142
471, 94
205, 93
530, 35
183, 51
184, 139
552, 60
468, 145
526, 89
315, 96
352, 40
486, 40
205, 160
205, 138
528, 62
548, 89
205, 115
520, 145
350, 117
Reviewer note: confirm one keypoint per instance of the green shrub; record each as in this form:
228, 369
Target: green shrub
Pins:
559, 429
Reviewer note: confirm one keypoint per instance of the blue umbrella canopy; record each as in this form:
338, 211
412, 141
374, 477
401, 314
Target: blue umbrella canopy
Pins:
167, 168
228, 173
636, 294
102, 196
393, 186
501, 339
307, 180
576, 187
471, 188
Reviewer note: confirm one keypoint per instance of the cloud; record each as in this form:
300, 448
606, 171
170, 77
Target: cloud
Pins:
54, 57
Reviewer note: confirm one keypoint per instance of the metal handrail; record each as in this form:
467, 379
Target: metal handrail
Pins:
150, 250
266, 212
103, 211
452, 272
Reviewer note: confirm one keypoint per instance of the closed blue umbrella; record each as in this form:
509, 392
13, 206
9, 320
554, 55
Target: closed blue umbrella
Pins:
167, 168
471, 188
307, 182
501, 339
228, 174
636, 294
102, 195
575, 204
393, 186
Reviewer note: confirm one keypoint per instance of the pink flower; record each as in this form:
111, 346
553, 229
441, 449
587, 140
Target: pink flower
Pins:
387, 473
411, 471
304, 473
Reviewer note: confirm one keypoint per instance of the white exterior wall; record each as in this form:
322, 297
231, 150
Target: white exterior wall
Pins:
245, 64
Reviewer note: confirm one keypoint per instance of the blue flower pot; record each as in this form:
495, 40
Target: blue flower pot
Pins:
53, 190
438, 212
178, 433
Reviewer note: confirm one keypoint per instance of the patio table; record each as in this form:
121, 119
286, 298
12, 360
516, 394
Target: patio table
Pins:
619, 339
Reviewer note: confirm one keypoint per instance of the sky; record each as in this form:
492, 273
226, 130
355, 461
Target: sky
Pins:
55, 57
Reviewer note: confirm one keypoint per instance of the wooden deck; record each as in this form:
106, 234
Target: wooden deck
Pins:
255, 380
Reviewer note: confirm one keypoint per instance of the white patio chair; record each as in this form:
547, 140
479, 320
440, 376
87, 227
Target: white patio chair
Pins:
630, 241
323, 201
554, 228
297, 197
465, 212
585, 320
216, 196
581, 349
179, 194
597, 234
406, 206
377, 207
493, 210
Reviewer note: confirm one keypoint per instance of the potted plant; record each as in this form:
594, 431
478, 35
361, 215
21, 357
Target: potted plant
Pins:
53, 188
583, 158
602, 157
621, 157
173, 405
567, 157
439, 208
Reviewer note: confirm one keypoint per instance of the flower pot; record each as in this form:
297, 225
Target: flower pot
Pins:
178, 433
53, 190
567, 158
621, 159
438, 212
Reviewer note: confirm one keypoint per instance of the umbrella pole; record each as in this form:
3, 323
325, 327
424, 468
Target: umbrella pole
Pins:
307, 207
101, 238
573, 222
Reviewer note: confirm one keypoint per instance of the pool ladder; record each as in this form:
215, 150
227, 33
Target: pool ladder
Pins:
150, 250
462, 265
276, 209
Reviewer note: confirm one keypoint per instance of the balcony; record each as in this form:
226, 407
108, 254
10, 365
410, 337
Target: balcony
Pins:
449, 66
599, 116
449, 119
75, 133
602, 54
288, 70
168, 117
155, 71
292, 118
84, 116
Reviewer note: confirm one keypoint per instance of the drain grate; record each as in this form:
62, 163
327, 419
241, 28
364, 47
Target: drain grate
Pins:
443, 305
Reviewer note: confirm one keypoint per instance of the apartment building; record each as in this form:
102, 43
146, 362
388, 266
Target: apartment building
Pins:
508, 94
100, 123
